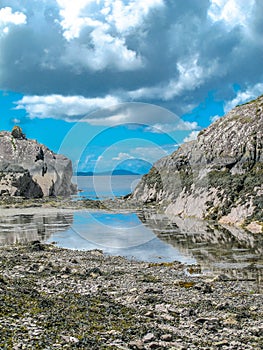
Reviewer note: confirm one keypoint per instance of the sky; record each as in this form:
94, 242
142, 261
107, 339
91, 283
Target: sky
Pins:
120, 83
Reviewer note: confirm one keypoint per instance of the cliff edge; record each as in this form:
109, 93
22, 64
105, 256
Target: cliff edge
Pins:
29, 169
218, 176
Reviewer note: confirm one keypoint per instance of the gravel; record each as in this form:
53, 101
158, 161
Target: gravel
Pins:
53, 298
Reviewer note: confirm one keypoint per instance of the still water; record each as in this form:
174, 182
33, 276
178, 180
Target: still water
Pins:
99, 187
142, 235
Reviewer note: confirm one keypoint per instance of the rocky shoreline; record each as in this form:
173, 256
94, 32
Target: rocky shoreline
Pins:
218, 176
54, 298
51, 202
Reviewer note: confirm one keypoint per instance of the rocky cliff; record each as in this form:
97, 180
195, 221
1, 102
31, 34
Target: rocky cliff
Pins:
31, 170
218, 176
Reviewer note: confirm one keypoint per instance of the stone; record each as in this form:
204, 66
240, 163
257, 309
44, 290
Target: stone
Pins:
2, 280
154, 345
93, 272
66, 270
148, 338
137, 344
29, 169
37, 246
217, 177
166, 337
70, 339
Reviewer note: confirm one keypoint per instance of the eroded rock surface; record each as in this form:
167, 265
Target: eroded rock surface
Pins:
218, 176
31, 170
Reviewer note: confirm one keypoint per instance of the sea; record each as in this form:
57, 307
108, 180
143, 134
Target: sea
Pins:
137, 235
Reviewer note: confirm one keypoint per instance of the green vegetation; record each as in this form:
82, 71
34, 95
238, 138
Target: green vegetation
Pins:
250, 102
13, 143
242, 119
17, 133
153, 179
236, 188
81, 316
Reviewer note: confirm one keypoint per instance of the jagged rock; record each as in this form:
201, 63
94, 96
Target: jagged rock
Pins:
31, 170
17, 133
218, 176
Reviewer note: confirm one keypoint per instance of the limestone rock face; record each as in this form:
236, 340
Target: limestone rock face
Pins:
218, 176
31, 170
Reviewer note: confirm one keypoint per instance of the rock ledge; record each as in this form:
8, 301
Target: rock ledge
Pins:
31, 170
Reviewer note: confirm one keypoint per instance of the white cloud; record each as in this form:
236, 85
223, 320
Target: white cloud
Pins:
120, 15
107, 52
104, 49
149, 153
88, 160
9, 18
152, 117
232, 12
73, 19
191, 76
123, 156
16, 121
166, 52
127, 16
177, 125
107, 111
244, 96
192, 136
71, 108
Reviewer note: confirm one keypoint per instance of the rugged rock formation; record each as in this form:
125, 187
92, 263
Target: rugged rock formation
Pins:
218, 176
31, 170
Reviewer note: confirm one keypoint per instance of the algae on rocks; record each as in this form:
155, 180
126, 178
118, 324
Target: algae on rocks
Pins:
218, 176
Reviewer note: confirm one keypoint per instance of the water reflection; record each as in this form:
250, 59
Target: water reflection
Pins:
28, 227
145, 236
226, 249
118, 234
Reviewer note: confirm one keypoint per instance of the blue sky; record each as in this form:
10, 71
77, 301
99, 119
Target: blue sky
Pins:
122, 83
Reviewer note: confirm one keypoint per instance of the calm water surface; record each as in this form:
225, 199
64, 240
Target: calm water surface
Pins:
143, 235
95, 187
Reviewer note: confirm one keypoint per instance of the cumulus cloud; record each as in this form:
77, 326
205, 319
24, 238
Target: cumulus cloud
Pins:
171, 53
191, 76
244, 96
123, 156
9, 18
149, 153
192, 136
107, 111
71, 108
16, 121
232, 12
106, 26
107, 50
177, 125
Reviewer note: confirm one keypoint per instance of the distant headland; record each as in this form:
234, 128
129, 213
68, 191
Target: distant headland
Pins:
115, 172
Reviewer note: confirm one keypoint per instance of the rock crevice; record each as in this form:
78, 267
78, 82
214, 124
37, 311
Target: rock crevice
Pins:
218, 176
31, 170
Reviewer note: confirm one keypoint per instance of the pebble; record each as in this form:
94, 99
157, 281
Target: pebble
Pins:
138, 313
154, 345
166, 337
136, 345
148, 337
70, 339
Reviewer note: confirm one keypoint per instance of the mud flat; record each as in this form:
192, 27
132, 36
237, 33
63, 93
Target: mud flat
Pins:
53, 298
